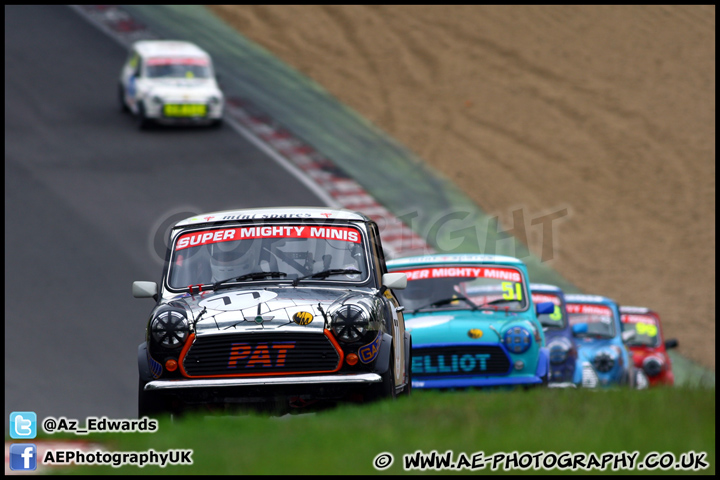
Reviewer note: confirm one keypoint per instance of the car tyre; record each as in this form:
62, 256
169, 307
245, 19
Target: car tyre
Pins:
628, 379
386, 388
121, 99
143, 121
150, 404
408, 387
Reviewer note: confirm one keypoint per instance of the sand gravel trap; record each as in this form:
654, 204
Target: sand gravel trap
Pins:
608, 111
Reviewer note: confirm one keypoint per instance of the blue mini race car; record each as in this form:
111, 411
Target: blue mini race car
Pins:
473, 322
605, 360
564, 368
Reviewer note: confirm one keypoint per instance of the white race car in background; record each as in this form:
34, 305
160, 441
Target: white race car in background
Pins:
170, 82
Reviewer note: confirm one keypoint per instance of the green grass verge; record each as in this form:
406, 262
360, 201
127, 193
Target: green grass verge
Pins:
689, 373
345, 440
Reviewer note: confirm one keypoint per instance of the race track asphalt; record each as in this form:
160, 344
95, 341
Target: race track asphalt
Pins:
87, 197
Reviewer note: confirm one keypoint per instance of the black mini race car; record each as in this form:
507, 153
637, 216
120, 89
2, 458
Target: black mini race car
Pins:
283, 307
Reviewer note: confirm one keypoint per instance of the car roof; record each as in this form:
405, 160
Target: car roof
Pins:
168, 48
638, 310
440, 259
584, 298
544, 287
278, 213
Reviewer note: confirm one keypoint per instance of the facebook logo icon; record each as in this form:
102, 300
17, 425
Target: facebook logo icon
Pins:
23, 456
23, 425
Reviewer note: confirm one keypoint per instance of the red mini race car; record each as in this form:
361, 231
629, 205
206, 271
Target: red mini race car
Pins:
648, 349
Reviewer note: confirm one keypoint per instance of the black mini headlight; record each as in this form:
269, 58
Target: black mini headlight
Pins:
170, 329
350, 323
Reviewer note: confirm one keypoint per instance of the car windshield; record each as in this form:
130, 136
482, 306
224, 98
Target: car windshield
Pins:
283, 252
178, 68
555, 320
599, 319
647, 333
464, 287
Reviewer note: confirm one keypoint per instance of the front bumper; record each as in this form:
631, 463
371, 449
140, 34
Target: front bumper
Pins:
155, 111
561, 385
562, 373
476, 382
347, 379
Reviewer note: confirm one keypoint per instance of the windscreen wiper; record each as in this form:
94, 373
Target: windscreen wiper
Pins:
327, 273
248, 276
499, 300
554, 326
445, 301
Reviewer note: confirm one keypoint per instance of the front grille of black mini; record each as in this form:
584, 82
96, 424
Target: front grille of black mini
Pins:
260, 354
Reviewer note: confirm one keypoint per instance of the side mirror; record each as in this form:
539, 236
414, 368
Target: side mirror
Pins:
579, 328
394, 280
144, 289
627, 335
671, 343
543, 308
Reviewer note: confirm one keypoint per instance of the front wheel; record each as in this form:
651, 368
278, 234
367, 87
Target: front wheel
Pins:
408, 369
150, 404
121, 99
408, 387
386, 388
143, 121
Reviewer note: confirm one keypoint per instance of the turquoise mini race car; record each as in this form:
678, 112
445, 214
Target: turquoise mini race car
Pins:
473, 322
